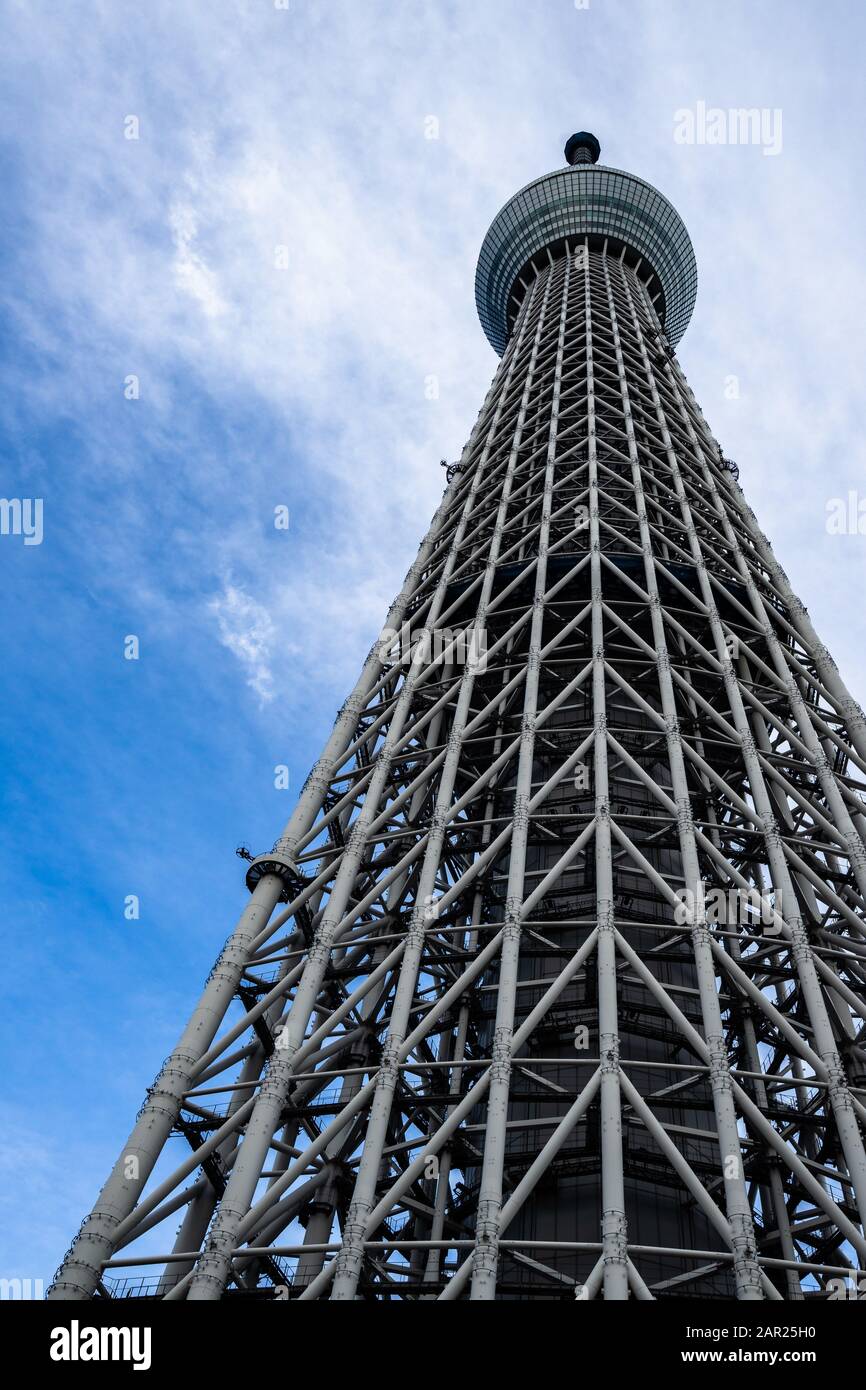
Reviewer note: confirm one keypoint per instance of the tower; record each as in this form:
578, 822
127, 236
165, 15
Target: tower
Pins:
553, 985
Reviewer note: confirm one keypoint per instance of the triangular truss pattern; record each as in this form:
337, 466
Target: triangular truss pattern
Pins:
554, 985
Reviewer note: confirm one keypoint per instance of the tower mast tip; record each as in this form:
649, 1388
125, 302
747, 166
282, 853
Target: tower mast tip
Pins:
582, 148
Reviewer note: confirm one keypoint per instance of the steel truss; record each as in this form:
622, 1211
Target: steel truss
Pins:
471, 1037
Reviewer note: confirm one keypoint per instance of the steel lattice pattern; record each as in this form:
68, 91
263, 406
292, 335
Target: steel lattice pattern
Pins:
471, 1037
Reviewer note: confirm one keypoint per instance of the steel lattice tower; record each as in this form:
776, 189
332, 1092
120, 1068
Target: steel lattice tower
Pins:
554, 984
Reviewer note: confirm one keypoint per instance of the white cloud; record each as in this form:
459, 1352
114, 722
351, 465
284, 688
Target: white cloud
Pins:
191, 273
247, 630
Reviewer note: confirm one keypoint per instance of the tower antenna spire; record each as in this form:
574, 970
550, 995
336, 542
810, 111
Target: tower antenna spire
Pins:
582, 148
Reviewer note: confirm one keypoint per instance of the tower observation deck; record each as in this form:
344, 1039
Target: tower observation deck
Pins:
553, 986
599, 207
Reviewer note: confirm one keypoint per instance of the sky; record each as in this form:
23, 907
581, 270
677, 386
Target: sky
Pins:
237, 255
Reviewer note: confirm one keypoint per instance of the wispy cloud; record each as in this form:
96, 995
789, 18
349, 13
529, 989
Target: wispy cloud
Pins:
246, 628
191, 273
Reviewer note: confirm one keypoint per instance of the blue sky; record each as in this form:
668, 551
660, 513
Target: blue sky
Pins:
307, 386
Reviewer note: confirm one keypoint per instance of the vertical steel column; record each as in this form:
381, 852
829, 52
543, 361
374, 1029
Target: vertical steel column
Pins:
613, 1220
777, 1191
443, 1185
81, 1270
744, 1244
486, 1253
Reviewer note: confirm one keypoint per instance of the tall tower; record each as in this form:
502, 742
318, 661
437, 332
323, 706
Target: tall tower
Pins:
554, 984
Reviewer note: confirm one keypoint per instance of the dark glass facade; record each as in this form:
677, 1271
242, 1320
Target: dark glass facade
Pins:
577, 201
